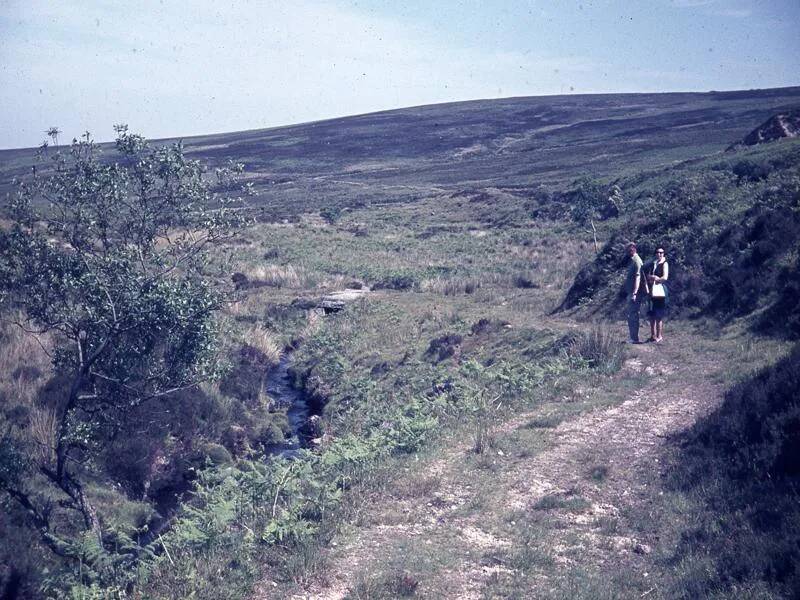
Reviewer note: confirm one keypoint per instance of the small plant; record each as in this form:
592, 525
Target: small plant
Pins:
598, 473
445, 346
566, 502
598, 349
450, 286
483, 410
279, 276
331, 214
397, 584
544, 422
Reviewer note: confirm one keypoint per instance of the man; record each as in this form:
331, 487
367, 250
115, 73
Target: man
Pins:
635, 290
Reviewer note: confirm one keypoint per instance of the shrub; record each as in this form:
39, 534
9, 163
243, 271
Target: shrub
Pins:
330, 214
730, 233
445, 347
396, 281
385, 586
112, 258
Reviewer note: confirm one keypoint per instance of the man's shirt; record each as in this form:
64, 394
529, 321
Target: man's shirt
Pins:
634, 269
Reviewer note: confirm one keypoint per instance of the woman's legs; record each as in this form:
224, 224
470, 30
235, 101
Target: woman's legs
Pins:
652, 328
659, 329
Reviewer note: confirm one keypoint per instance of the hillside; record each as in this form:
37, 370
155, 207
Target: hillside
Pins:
515, 143
426, 388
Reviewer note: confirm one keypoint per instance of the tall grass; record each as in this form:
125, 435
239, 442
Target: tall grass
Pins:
265, 341
280, 276
450, 286
598, 348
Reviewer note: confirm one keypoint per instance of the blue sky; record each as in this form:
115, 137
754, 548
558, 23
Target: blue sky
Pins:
172, 68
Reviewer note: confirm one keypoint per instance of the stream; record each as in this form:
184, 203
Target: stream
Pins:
279, 386
282, 391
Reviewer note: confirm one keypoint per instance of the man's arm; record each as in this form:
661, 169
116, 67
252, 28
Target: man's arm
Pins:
637, 280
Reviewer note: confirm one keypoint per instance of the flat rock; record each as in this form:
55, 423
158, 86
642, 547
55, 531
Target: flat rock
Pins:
347, 295
336, 301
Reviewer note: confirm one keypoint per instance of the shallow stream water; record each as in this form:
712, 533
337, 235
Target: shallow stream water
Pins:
279, 385
282, 391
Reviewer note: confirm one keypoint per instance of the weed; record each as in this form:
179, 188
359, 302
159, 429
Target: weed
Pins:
483, 412
548, 421
450, 286
279, 276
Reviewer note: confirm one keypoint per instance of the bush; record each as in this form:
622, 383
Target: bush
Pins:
112, 258
445, 346
396, 281
385, 586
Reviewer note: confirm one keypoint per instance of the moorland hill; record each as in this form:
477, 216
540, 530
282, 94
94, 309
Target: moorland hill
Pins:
515, 143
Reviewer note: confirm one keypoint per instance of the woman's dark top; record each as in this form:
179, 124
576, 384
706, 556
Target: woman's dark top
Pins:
659, 304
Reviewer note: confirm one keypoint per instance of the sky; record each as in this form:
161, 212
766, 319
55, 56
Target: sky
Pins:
175, 69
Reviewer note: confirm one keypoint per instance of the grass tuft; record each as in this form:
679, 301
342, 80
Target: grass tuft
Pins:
267, 344
599, 349
279, 276
388, 586
575, 504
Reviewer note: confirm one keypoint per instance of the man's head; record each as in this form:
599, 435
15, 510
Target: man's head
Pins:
631, 248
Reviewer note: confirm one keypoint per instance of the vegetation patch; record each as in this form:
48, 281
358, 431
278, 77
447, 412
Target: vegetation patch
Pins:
740, 477
567, 502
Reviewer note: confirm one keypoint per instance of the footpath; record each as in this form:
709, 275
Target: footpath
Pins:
551, 510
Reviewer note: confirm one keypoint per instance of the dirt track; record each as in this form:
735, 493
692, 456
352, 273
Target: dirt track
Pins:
631, 441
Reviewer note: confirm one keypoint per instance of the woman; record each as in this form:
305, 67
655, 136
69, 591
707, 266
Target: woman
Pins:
657, 279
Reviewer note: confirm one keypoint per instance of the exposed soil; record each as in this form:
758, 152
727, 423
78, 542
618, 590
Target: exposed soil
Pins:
593, 470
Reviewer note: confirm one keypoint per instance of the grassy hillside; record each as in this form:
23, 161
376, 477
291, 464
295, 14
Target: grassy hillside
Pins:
462, 221
515, 144
730, 226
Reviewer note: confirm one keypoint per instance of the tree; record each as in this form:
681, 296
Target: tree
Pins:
111, 259
53, 133
590, 201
